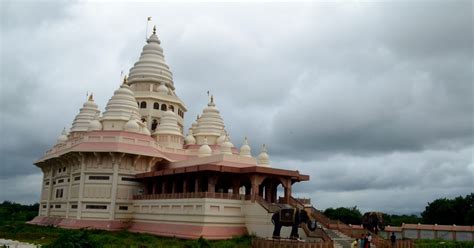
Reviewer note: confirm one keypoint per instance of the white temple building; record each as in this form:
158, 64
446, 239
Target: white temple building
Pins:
132, 167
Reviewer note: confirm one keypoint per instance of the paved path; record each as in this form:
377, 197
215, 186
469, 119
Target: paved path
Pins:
340, 240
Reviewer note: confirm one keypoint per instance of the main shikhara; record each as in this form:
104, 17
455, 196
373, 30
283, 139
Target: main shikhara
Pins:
132, 168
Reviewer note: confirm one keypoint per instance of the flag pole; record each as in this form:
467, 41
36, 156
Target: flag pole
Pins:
146, 31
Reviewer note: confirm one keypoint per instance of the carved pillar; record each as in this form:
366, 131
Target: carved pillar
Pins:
82, 160
196, 184
268, 188
173, 186
116, 161
50, 189
287, 191
185, 185
255, 180
164, 189
153, 190
72, 163
211, 183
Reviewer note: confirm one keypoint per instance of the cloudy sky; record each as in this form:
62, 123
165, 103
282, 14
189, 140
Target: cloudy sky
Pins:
375, 101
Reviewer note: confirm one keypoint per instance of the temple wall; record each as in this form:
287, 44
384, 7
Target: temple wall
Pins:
192, 210
100, 188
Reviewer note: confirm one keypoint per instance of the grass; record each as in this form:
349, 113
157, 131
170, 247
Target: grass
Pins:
57, 237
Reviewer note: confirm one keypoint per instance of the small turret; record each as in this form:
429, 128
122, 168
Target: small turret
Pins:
245, 149
263, 158
205, 150
226, 147
63, 137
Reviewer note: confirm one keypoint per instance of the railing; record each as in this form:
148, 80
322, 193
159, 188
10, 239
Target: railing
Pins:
215, 195
278, 243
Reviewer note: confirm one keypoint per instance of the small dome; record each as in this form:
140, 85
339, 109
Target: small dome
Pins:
63, 137
245, 149
190, 140
221, 138
194, 125
121, 104
143, 128
226, 147
210, 124
204, 150
95, 124
263, 158
162, 89
132, 126
86, 114
168, 125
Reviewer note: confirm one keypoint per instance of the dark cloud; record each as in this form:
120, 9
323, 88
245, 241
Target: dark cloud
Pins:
373, 100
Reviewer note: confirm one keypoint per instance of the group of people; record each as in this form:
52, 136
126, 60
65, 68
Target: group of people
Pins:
365, 240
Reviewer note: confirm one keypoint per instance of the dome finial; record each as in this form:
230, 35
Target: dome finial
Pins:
125, 79
154, 29
91, 97
212, 98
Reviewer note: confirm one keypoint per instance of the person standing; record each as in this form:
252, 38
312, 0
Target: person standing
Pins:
361, 241
354, 244
366, 241
393, 240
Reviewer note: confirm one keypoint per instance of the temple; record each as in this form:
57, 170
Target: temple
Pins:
131, 167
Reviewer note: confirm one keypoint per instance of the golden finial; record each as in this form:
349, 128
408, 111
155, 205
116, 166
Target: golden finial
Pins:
154, 29
91, 97
125, 79
212, 98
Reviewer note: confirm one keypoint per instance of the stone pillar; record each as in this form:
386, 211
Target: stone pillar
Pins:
81, 186
116, 163
153, 190
50, 189
164, 189
185, 184
68, 204
211, 184
196, 184
288, 193
173, 187
268, 189
235, 186
255, 180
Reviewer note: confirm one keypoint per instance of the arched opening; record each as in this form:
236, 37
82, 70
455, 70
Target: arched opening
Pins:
156, 106
143, 119
268, 189
143, 105
224, 184
154, 124
163, 107
245, 186
171, 107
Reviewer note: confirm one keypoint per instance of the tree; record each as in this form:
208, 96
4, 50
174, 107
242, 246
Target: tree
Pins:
349, 215
459, 211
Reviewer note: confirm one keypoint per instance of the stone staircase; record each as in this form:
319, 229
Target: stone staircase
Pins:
340, 240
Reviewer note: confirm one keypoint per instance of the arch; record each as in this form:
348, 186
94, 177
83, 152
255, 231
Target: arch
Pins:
268, 189
143, 105
163, 107
171, 107
224, 183
154, 124
156, 106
